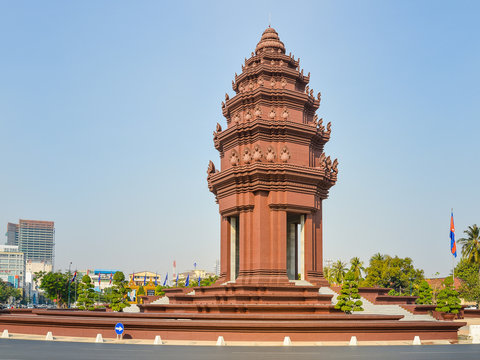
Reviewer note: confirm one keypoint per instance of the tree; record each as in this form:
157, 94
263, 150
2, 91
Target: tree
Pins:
448, 300
328, 273
471, 244
118, 297
338, 271
470, 288
357, 268
55, 285
141, 291
159, 290
394, 272
208, 281
425, 294
349, 298
86, 294
7, 291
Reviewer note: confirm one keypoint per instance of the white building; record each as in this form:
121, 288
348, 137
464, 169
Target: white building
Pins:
12, 265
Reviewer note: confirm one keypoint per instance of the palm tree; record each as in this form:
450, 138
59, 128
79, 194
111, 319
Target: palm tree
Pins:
378, 257
471, 244
356, 268
338, 271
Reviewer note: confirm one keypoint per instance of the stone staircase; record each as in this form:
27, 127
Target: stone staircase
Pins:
133, 308
162, 300
373, 309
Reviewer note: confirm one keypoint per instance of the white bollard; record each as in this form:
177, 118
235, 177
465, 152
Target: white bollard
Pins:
474, 331
99, 338
220, 341
416, 341
287, 341
5, 334
49, 336
158, 340
353, 341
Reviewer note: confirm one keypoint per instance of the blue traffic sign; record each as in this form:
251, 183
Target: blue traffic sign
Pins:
119, 328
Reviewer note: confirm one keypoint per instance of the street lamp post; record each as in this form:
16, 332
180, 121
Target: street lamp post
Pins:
69, 266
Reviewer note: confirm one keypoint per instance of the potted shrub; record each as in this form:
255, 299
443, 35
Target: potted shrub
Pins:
349, 298
448, 301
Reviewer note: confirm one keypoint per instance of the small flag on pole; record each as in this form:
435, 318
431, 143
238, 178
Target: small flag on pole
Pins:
187, 282
166, 279
111, 278
199, 279
145, 279
156, 277
74, 277
453, 245
99, 279
176, 281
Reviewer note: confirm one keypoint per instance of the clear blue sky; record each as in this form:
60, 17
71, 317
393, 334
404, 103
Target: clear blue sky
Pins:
107, 111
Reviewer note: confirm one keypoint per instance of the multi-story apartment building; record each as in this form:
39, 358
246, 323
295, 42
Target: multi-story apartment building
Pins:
12, 265
12, 234
36, 239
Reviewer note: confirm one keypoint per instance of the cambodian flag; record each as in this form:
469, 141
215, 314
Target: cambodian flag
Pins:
99, 278
111, 278
165, 281
453, 245
74, 277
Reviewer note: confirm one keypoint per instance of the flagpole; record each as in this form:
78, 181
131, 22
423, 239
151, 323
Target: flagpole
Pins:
453, 266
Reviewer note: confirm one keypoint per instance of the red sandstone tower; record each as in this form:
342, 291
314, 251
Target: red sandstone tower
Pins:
274, 172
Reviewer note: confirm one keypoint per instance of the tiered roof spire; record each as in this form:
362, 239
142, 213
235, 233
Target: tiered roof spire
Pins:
270, 40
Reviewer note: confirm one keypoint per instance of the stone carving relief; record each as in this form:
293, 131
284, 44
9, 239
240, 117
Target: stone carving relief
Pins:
335, 167
236, 119
270, 155
260, 81
330, 168
284, 83
248, 115
272, 114
250, 85
284, 154
234, 160
247, 156
321, 162
211, 168
329, 129
285, 113
258, 111
257, 153
328, 164
273, 82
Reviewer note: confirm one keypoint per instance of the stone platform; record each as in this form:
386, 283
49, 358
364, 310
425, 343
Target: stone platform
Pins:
238, 313
241, 327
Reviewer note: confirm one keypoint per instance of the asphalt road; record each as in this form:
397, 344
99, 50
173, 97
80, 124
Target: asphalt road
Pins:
39, 350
